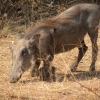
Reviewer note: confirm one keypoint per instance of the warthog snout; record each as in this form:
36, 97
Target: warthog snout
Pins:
15, 76
14, 79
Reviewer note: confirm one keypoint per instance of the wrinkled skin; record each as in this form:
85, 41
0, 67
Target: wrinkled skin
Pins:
53, 36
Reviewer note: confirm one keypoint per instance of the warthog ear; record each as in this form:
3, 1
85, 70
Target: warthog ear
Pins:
34, 39
20, 35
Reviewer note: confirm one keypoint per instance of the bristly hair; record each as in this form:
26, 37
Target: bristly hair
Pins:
63, 18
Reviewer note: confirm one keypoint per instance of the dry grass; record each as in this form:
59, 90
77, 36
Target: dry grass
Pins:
81, 87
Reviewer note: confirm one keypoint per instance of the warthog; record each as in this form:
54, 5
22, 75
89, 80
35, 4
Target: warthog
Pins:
56, 35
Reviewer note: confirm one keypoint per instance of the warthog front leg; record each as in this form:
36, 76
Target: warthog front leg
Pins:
82, 51
34, 70
46, 74
47, 71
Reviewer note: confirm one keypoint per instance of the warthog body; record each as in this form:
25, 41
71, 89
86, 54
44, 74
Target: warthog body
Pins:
56, 35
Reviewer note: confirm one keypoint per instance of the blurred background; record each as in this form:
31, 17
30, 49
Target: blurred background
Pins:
15, 13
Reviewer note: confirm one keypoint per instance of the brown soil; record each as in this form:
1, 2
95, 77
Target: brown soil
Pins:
76, 86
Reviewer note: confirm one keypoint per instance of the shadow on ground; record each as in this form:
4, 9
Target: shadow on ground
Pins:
83, 75
79, 75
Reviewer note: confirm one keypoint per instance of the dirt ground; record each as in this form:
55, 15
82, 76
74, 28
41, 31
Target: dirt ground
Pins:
68, 86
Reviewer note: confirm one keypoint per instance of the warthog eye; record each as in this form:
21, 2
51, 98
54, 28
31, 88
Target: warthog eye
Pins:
24, 51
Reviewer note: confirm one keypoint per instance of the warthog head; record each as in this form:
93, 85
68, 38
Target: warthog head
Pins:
22, 56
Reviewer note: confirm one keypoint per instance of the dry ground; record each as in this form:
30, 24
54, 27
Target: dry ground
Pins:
78, 86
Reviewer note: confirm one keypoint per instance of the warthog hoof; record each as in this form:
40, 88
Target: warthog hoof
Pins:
73, 69
92, 69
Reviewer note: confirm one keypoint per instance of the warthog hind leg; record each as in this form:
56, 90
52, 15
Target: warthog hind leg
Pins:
82, 51
93, 33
